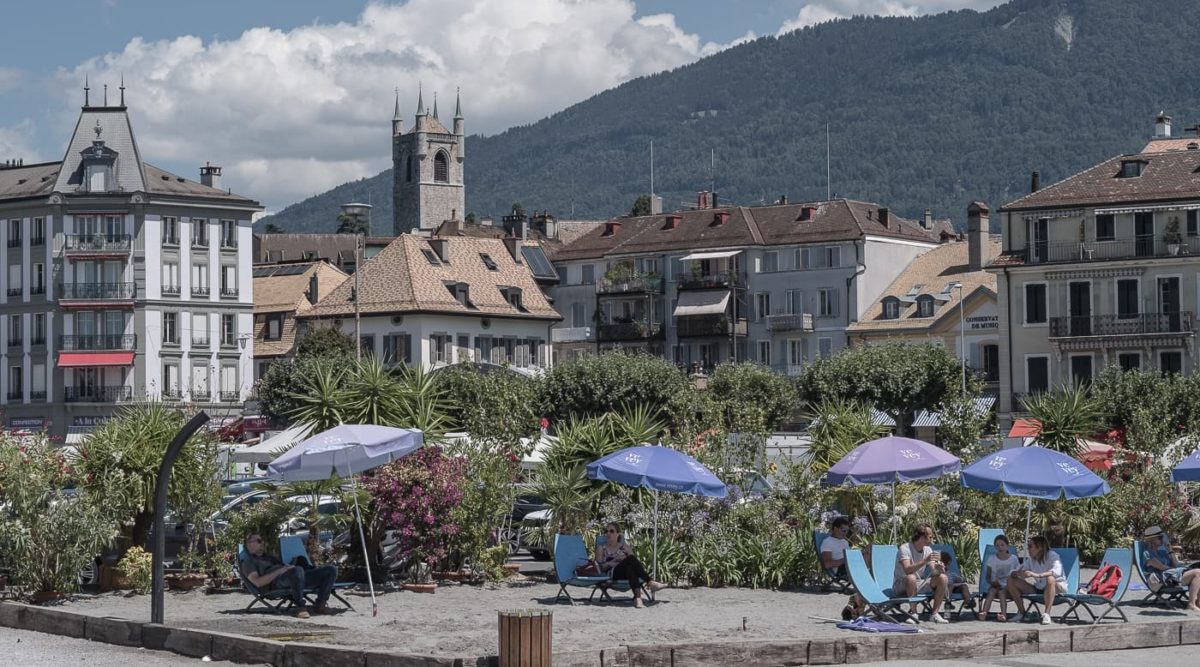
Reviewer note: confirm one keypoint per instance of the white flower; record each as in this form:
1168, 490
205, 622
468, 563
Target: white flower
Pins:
894, 520
881, 508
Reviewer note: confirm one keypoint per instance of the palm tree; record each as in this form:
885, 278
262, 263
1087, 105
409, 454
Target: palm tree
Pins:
1067, 416
838, 425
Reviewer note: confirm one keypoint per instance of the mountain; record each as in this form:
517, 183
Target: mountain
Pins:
921, 112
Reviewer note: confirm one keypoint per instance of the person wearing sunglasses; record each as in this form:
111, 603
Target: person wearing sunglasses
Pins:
269, 573
614, 556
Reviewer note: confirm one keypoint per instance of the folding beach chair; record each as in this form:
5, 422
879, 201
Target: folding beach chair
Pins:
291, 547
1070, 565
883, 563
273, 600
1165, 596
879, 600
1123, 559
569, 553
983, 582
830, 578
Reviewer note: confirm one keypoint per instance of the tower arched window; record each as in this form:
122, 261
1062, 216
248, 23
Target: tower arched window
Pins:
408, 169
441, 167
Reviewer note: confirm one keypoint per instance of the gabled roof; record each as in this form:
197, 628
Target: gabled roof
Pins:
401, 279
163, 182
283, 289
1166, 176
109, 125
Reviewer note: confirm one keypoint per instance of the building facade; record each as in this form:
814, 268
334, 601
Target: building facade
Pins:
427, 169
281, 291
775, 285
121, 282
1102, 268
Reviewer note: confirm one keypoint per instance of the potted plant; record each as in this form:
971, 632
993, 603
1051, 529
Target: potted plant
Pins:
190, 578
1172, 237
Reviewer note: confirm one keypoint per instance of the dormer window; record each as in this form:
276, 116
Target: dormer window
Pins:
1132, 168
97, 164
513, 296
461, 294
925, 306
891, 308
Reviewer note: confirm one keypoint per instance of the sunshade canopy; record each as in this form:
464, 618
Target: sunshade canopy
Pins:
1188, 469
699, 256
344, 451
892, 459
1033, 472
658, 468
94, 359
702, 302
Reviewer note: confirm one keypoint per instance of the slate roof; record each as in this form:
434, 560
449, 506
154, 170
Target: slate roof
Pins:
400, 279
117, 134
288, 294
834, 220
944, 264
1167, 176
31, 180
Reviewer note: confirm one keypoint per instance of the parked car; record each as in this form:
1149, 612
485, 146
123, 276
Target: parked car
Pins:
535, 533
512, 534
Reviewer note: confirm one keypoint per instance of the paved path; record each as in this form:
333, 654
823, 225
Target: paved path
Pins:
34, 649
1172, 656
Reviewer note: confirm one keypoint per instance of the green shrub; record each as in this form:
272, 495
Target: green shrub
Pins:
138, 567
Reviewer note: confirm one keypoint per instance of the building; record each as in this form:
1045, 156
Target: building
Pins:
922, 305
773, 284
337, 249
122, 282
427, 169
436, 301
1101, 269
281, 291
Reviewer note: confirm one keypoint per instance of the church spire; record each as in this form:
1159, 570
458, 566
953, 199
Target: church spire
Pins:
458, 103
435, 104
420, 100
396, 113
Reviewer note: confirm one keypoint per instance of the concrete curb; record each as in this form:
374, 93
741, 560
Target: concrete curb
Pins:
762, 653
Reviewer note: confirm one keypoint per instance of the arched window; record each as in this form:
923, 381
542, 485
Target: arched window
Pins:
441, 167
408, 169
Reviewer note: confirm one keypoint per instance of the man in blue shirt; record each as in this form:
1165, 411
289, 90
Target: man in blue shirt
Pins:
1161, 563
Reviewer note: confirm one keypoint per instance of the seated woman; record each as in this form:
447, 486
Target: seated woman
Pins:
1041, 572
1162, 565
614, 557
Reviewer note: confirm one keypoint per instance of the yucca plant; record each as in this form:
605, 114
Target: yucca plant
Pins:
1068, 416
838, 426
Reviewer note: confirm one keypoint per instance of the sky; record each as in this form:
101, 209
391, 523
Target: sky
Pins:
293, 97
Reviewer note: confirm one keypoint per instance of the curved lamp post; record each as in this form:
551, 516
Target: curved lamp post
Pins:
160, 508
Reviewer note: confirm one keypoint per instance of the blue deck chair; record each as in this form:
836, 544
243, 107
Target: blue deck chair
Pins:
983, 582
879, 600
1070, 565
614, 584
274, 600
291, 547
883, 564
569, 553
987, 536
1123, 559
830, 579
1165, 596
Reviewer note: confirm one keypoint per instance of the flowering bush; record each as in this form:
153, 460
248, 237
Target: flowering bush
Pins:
138, 567
417, 496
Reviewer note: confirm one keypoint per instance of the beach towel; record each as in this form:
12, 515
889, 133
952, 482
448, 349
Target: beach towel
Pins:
865, 624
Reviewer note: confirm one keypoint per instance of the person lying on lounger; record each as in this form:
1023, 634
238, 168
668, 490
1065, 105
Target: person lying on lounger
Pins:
267, 572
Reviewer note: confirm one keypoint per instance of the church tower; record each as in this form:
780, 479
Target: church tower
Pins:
427, 169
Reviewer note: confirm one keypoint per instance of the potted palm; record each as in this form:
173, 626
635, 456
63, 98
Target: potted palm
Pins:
1172, 237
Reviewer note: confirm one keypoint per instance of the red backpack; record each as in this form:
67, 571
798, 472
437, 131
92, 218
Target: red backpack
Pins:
1105, 583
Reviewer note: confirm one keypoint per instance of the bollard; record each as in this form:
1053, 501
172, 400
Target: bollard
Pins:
525, 638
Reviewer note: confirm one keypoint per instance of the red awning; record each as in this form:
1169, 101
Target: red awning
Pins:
84, 359
1025, 428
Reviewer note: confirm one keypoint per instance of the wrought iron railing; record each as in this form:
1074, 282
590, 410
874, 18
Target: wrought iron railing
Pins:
98, 291
98, 243
716, 280
1122, 325
630, 331
88, 342
650, 282
97, 394
695, 326
790, 322
1099, 251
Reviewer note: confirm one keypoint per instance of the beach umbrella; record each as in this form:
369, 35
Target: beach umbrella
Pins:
1033, 472
890, 460
345, 451
657, 468
1188, 469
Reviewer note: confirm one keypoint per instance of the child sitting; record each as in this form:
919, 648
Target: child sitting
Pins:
956, 583
997, 568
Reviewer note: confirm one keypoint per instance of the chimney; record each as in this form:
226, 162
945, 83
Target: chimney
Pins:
702, 200
808, 212
440, 248
450, 227
979, 246
672, 221
1162, 126
927, 220
884, 216
210, 175
514, 248
312, 289
714, 199
655, 204
611, 227
1035, 181
783, 200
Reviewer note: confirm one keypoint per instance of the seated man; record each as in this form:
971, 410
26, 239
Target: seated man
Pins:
1162, 565
833, 548
920, 572
269, 573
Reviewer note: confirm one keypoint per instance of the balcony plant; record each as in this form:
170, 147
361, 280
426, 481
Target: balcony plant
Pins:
1172, 237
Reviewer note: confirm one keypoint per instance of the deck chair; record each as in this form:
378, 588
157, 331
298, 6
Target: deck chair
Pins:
1070, 565
986, 537
1123, 559
619, 585
274, 600
291, 547
569, 553
983, 582
883, 563
1165, 596
830, 579
954, 569
880, 601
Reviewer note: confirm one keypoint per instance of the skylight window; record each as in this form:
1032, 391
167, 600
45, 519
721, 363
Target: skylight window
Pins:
488, 262
431, 257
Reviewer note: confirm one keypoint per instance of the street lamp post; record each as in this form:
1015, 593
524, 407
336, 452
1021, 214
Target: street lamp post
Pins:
962, 337
357, 212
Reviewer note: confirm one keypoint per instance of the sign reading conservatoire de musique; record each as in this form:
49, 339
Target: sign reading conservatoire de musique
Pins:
983, 322
26, 422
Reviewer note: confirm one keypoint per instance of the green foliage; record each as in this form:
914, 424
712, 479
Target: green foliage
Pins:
595, 385
496, 407
319, 348
491, 563
838, 426
138, 567
1153, 409
46, 538
898, 378
263, 519
487, 499
1068, 417
962, 425
641, 206
352, 224
752, 398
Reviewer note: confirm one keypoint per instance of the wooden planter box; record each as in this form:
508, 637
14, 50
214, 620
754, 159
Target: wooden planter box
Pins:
421, 588
112, 579
184, 582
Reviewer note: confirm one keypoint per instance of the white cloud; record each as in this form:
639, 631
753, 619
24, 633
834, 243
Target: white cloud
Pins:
828, 10
10, 78
16, 142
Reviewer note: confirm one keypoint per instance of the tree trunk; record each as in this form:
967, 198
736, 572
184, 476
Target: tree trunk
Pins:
142, 523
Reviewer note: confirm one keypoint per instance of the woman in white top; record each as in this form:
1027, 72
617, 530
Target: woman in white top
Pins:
1042, 572
997, 570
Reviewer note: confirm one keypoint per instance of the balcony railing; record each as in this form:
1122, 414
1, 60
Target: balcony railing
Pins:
36, 241
37, 289
172, 394
98, 243
199, 243
650, 282
571, 335
1115, 325
15, 342
790, 322
228, 243
199, 290
14, 242
229, 292
1100, 251
37, 395
696, 326
98, 291
201, 395
199, 342
92, 342
717, 280
229, 397
790, 370
16, 395
14, 291
97, 394
630, 331
170, 290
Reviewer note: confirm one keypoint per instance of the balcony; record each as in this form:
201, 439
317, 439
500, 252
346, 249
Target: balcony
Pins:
98, 292
699, 326
97, 245
16, 395
1142, 324
170, 290
97, 342
618, 331
229, 397
571, 335
37, 340
1103, 251
229, 292
37, 395
716, 280
97, 394
201, 395
650, 283
37, 241
15, 342
199, 290
790, 322
14, 242
14, 291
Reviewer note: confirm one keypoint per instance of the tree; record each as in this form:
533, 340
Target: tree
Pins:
595, 385
898, 378
962, 425
517, 209
352, 224
495, 408
641, 206
272, 228
739, 389
470, 219
285, 378
1067, 417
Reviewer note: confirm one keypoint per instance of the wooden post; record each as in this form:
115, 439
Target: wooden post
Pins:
525, 638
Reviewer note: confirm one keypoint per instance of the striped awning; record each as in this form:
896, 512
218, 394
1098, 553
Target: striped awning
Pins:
1148, 208
930, 418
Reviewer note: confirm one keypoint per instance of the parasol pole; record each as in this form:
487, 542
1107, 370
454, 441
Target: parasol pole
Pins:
654, 567
1028, 515
893, 522
362, 538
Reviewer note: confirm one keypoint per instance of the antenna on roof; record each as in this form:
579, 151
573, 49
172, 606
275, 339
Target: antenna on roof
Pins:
828, 172
122, 89
106, 94
651, 167
712, 168
86, 91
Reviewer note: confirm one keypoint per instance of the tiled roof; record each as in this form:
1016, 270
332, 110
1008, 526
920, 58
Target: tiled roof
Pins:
1172, 144
944, 264
117, 135
330, 247
34, 180
288, 294
835, 220
400, 279
1166, 176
